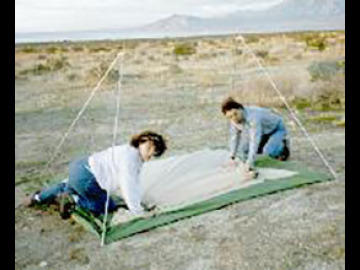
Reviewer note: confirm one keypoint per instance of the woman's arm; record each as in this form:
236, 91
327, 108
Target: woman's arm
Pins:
130, 188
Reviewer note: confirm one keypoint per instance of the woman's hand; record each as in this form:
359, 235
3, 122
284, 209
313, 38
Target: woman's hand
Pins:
153, 212
122, 216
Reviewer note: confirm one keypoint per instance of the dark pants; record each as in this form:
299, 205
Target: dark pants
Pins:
83, 184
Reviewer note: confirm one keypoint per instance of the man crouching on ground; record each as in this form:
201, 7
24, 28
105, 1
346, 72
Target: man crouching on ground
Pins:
254, 130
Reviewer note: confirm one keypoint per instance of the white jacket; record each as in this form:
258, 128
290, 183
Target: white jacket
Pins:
117, 170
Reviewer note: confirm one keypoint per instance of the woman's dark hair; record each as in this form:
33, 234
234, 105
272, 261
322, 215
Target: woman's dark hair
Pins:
230, 104
157, 139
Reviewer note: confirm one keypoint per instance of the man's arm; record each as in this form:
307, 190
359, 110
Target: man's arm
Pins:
255, 133
235, 135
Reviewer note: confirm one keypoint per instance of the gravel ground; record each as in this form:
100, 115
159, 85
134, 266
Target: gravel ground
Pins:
297, 229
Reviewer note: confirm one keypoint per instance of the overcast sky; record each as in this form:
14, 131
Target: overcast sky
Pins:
74, 15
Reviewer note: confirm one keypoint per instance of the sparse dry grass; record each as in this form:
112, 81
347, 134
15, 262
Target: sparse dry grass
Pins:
212, 69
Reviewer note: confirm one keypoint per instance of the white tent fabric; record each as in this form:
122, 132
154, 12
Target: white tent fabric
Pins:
182, 180
185, 179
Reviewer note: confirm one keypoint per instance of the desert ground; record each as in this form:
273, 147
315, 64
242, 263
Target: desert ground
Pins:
175, 86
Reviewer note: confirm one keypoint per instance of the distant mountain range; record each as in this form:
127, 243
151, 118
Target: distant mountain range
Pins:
289, 15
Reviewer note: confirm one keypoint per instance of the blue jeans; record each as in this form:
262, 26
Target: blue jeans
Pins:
272, 144
83, 184
275, 144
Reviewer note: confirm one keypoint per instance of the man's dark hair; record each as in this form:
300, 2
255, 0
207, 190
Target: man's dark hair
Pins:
230, 104
157, 139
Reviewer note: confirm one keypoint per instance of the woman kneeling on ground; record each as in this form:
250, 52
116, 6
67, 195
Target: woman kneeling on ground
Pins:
116, 170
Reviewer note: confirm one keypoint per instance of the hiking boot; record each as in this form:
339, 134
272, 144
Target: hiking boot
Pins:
286, 152
67, 205
30, 201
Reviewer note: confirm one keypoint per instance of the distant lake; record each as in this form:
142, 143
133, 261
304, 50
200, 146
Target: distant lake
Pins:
133, 34
73, 36
102, 35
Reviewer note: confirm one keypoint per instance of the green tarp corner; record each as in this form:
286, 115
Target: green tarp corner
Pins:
303, 177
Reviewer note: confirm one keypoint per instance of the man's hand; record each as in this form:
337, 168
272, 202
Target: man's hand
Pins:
231, 164
249, 173
246, 167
